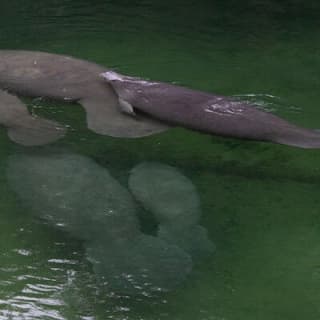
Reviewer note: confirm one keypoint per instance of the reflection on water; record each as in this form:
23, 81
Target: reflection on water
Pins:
75, 194
39, 286
269, 103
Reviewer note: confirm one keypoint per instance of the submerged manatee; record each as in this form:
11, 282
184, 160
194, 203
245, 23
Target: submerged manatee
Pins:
165, 192
207, 112
39, 74
74, 193
77, 195
23, 128
144, 265
173, 200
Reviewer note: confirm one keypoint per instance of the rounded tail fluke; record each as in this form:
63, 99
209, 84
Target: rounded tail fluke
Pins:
25, 128
299, 137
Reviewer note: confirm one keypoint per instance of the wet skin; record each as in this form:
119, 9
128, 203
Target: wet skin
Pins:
206, 112
59, 77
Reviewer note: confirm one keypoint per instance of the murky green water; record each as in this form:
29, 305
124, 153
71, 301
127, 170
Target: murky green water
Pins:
260, 202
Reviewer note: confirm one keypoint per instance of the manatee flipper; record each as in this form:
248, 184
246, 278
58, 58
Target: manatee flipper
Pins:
126, 107
36, 131
23, 128
104, 117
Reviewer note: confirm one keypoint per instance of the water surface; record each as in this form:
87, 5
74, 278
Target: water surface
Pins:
259, 202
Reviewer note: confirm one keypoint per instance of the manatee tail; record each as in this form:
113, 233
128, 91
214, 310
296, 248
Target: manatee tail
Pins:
299, 137
23, 128
36, 131
104, 116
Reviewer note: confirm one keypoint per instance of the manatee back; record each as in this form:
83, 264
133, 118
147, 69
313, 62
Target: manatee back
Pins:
45, 74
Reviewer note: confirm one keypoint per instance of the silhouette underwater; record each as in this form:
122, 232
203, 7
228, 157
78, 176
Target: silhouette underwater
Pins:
72, 192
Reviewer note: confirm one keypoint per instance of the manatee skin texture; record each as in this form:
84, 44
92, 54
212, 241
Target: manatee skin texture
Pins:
208, 113
64, 78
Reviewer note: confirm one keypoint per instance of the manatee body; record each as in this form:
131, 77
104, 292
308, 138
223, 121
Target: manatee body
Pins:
207, 112
75, 194
39, 74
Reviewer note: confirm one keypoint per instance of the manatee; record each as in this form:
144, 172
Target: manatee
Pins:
206, 112
194, 240
168, 194
143, 266
64, 78
75, 194
174, 202
23, 128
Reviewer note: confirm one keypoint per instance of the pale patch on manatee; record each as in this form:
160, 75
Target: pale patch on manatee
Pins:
114, 76
32, 72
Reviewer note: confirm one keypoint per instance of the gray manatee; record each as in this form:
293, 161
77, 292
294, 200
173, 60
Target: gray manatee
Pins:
24, 128
174, 201
75, 194
59, 77
164, 191
206, 112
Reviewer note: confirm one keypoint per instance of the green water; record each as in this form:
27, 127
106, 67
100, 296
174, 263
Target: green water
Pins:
259, 201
